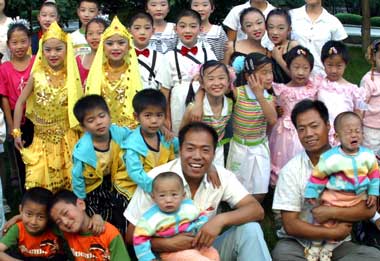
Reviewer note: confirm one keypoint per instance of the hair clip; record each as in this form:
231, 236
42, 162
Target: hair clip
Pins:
333, 50
19, 21
104, 17
249, 65
301, 52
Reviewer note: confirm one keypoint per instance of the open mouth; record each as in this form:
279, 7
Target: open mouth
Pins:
196, 165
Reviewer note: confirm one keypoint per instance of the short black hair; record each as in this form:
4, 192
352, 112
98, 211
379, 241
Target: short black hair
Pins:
49, 3
254, 61
97, 20
38, 195
341, 116
297, 51
213, 64
189, 13
248, 10
280, 12
140, 15
306, 105
212, 3
167, 175
331, 48
17, 27
89, 1
148, 97
198, 127
88, 103
66, 196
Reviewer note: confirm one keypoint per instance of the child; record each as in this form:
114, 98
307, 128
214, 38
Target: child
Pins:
371, 84
217, 108
141, 28
283, 142
175, 75
349, 172
98, 175
94, 30
172, 214
334, 91
278, 26
253, 24
164, 38
254, 112
47, 15
4, 23
52, 90
114, 73
68, 212
87, 9
211, 33
32, 235
147, 147
14, 75
235, 31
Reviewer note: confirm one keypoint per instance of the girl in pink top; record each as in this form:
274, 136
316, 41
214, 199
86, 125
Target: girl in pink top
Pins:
371, 112
94, 31
14, 75
283, 142
334, 91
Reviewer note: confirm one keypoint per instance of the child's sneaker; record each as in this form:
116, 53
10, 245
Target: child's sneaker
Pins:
312, 253
325, 255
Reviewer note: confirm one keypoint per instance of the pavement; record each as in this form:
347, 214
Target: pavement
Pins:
355, 30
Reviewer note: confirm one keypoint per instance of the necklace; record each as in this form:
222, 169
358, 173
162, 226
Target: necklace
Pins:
114, 74
55, 78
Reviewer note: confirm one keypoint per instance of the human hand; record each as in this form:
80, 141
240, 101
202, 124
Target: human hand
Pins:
311, 201
371, 201
169, 135
181, 242
19, 144
96, 225
213, 177
208, 232
11, 222
322, 214
341, 230
256, 85
196, 112
277, 53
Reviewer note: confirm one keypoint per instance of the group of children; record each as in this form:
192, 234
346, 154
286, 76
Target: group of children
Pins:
140, 86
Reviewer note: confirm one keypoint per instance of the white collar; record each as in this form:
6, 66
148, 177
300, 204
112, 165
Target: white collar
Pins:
207, 107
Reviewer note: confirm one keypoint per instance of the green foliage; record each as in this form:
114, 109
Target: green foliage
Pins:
375, 21
349, 18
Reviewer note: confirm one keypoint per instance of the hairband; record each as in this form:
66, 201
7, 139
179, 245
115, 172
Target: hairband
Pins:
19, 21
104, 17
301, 52
333, 50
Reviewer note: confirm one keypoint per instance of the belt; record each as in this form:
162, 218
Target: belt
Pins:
249, 143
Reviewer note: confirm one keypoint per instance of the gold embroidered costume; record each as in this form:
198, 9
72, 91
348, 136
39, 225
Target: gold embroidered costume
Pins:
118, 92
50, 107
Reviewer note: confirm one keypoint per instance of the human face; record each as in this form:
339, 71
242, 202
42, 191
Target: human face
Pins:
265, 75
312, 131
278, 29
34, 216
115, 48
314, 2
254, 26
86, 11
69, 217
215, 81
48, 15
151, 120
334, 67
168, 194
300, 71
158, 9
203, 7
18, 44
54, 51
350, 134
188, 30
142, 31
93, 34
197, 153
97, 122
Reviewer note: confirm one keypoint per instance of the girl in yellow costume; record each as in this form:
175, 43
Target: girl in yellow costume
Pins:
114, 73
52, 90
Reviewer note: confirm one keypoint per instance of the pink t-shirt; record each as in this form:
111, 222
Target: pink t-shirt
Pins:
372, 92
12, 81
83, 72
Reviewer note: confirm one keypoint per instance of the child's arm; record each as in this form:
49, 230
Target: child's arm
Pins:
77, 181
268, 108
136, 170
142, 241
228, 53
8, 240
197, 108
374, 187
168, 120
3, 130
18, 113
317, 181
7, 113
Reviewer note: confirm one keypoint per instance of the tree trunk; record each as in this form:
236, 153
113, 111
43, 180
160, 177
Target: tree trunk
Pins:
366, 25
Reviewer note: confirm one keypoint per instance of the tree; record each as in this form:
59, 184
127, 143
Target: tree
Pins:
366, 24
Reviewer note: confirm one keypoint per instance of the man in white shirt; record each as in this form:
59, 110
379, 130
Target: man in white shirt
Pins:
312, 27
244, 238
311, 121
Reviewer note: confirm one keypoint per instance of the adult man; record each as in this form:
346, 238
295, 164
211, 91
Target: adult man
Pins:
311, 121
243, 239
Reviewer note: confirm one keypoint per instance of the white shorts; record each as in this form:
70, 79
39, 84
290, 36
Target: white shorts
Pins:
219, 156
371, 138
251, 165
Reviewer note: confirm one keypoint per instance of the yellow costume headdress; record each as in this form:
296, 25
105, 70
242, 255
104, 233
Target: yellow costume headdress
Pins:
118, 94
73, 83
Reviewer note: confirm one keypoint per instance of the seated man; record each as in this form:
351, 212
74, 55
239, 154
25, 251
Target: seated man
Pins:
244, 239
311, 121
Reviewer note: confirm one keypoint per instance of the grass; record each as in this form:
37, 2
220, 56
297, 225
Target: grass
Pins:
358, 65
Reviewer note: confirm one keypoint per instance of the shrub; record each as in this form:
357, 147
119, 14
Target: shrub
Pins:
375, 21
349, 18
